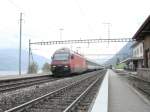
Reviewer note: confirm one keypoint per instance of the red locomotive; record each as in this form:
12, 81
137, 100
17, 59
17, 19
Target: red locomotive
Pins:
65, 62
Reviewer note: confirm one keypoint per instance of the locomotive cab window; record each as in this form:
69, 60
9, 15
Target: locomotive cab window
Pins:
61, 56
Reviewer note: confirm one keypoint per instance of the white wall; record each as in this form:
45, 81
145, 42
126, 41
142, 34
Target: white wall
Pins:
138, 50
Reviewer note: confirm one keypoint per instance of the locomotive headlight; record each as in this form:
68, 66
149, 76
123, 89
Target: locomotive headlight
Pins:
66, 66
54, 66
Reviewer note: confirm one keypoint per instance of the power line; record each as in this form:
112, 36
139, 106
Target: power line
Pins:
120, 54
15, 5
83, 14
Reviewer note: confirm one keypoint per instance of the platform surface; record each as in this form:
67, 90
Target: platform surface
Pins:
9, 77
122, 98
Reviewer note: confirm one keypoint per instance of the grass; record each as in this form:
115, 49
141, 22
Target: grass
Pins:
120, 66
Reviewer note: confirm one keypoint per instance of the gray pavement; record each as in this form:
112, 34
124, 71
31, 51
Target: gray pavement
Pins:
121, 98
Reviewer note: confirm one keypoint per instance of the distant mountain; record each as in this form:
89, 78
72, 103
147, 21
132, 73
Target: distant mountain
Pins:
9, 60
124, 53
99, 61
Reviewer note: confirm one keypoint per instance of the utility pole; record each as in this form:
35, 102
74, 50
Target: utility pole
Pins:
61, 29
108, 30
29, 55
78, 49
20, 43
71, 46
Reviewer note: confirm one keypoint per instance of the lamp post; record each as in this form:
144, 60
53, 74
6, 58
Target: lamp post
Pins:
61, 29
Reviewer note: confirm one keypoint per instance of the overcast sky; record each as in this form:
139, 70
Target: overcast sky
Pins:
79, 19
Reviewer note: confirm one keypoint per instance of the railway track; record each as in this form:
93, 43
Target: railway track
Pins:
140, 84
22, 83
66, 99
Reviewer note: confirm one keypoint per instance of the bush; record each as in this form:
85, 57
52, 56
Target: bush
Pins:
120, 66
46, 67
33, 68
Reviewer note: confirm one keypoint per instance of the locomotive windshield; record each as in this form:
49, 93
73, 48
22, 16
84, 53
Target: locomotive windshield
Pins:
61, 56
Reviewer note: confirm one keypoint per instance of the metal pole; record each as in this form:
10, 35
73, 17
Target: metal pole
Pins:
29, 54
61, 29
108, 30
20, 44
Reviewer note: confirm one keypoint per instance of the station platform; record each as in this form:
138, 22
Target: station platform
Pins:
23, 76
127, 71
100, 103
116, 95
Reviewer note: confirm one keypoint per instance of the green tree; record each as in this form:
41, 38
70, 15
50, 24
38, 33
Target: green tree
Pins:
117, 61
33, 68
46, 67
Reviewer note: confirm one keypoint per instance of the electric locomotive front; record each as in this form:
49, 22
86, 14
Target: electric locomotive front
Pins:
60, 64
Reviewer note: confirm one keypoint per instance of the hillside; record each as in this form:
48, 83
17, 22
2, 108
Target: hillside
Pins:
124, 53
9, 60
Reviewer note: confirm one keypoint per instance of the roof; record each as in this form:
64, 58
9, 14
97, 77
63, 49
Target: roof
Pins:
131, 59
67, 50
143, 30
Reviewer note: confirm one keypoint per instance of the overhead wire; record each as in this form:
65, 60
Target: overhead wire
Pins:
15, 5
82, 12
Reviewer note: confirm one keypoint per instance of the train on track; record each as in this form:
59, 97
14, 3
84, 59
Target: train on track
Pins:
67, 62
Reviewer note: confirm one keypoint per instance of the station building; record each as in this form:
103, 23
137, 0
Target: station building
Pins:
140, 59
137, 55
142, 37
136, 60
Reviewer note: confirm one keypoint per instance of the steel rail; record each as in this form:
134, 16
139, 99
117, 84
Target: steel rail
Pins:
72, 106
142, 81
25, 84
141, 89
29, 103
139, 78
21, 82
17, 79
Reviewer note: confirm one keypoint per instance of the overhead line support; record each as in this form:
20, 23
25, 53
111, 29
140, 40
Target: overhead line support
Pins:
83, 41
